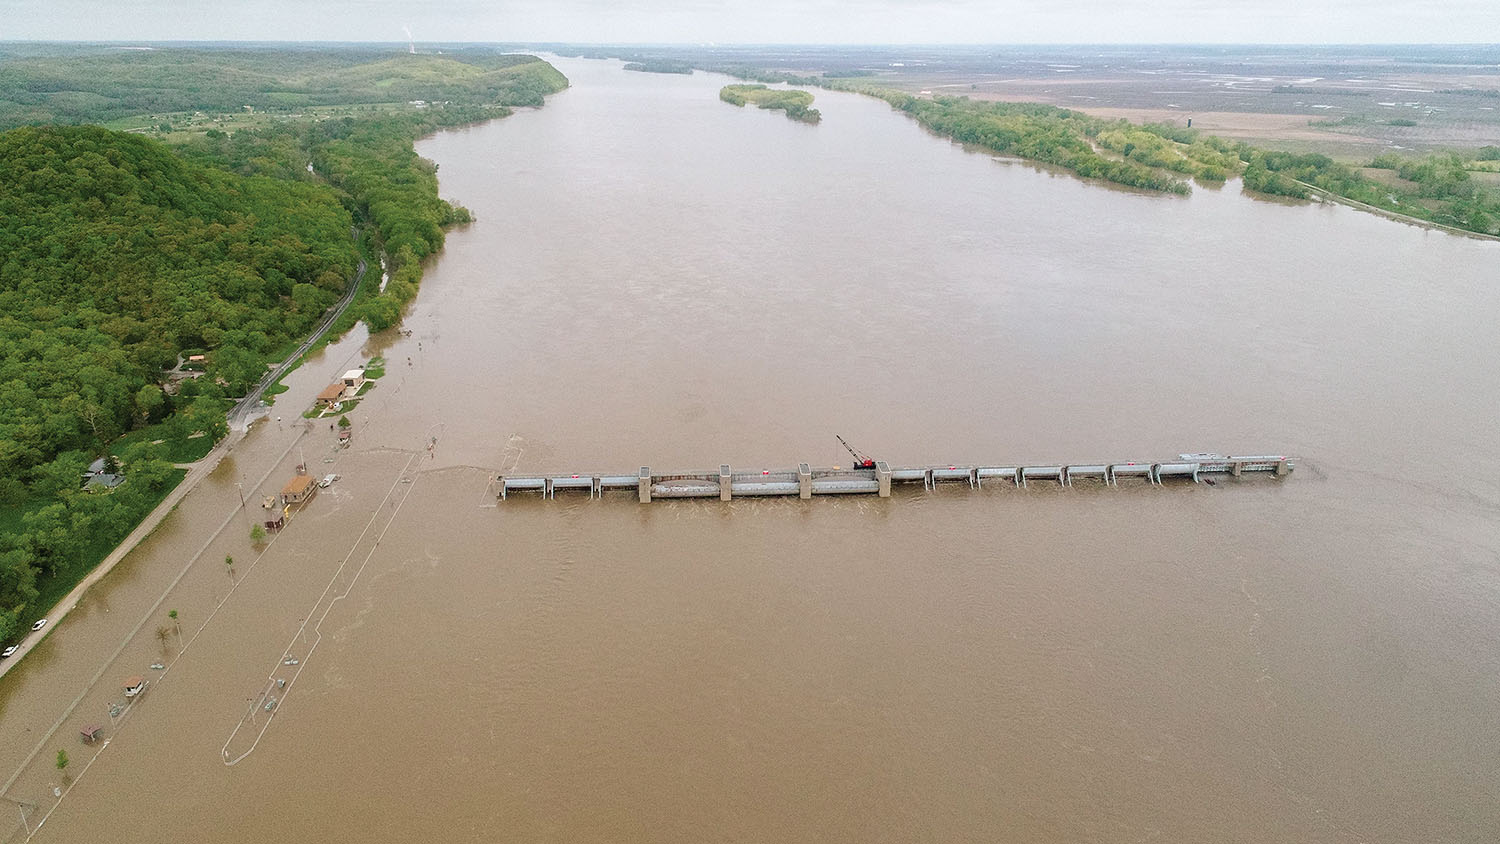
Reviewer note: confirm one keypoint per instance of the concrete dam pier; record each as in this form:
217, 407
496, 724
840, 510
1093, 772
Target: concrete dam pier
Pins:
805, 481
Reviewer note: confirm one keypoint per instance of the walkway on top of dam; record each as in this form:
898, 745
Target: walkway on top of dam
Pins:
805, 481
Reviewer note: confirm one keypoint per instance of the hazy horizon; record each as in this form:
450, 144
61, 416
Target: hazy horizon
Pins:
402, 42
781, 22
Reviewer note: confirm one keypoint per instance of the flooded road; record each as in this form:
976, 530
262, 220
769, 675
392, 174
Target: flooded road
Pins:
659, 278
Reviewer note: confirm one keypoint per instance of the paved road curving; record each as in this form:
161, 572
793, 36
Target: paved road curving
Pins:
242, 411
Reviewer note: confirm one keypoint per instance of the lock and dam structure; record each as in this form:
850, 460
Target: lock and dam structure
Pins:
806, 481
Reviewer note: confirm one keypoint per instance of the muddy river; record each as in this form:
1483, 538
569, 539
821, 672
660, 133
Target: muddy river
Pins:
656, 277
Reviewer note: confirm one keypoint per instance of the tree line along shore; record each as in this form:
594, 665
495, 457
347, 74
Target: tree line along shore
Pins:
151, 271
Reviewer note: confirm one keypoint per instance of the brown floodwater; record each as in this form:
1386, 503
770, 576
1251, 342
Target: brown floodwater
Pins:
656, 277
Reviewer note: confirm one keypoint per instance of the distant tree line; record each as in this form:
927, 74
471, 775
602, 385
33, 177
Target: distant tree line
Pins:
101, 84
659, 66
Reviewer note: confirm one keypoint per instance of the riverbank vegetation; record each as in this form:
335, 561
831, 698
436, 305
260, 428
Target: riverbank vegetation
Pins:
368, 159
1436, 188
1056, 136
796, 104
221, 226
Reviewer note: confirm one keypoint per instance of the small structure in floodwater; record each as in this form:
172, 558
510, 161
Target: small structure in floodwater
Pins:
331, 395
297, 490
353, 380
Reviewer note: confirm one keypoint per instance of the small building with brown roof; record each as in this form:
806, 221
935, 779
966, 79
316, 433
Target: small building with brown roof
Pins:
332, 394
298, 489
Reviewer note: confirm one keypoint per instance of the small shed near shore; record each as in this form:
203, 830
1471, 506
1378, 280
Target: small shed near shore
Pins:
298, 489
332, 394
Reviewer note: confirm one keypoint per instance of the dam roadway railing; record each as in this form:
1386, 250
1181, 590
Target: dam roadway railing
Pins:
806, 481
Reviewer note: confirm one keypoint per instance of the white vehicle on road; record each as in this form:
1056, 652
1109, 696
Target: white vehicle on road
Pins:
41, 622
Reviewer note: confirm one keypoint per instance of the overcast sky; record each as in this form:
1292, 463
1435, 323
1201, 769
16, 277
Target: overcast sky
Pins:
743, 21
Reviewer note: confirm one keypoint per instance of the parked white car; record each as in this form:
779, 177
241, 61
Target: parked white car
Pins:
40, 623
8, 651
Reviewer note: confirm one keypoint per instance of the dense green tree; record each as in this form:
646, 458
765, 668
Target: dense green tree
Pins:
149, 401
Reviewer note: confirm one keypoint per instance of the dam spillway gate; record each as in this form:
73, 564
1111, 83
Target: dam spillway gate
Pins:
806, 481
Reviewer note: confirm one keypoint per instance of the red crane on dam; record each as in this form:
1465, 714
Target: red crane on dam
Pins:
860, 461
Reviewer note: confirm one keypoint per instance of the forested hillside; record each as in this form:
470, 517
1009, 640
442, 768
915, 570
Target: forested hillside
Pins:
120, 252
368, 157
115, 256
